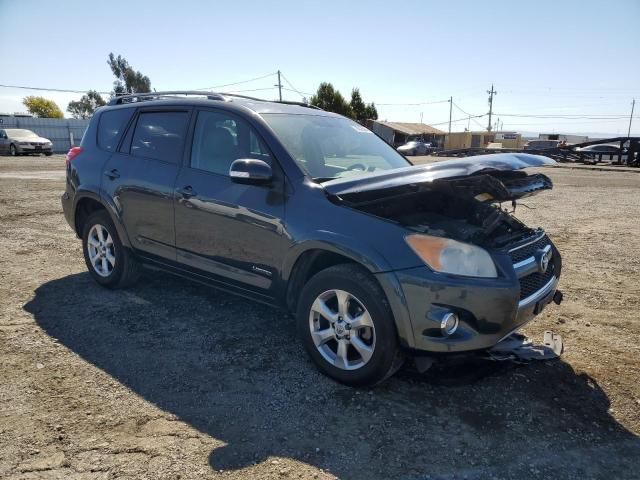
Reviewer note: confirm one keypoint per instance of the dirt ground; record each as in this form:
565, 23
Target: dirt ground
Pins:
175, 380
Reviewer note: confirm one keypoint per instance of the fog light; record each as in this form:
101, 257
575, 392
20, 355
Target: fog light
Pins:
449, 323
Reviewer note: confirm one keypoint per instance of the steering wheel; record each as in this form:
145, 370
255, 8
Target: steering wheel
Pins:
357, 166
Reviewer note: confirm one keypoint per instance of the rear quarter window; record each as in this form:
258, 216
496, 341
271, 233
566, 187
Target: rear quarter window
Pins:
110, 127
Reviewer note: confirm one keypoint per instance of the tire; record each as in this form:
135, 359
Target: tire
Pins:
48, 154
380, 341
115, 266
13, 151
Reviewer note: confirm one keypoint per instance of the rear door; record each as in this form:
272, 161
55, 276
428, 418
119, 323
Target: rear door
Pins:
141, 175
232, 231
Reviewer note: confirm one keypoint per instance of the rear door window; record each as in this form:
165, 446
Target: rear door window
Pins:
160, 135
110, 127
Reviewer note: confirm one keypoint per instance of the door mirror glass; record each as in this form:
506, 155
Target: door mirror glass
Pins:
250, 171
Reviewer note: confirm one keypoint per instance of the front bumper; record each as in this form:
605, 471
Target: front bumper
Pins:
33, 149
489, 309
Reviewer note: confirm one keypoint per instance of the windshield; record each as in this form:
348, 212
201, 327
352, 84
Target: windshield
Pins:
333, 147
20, 133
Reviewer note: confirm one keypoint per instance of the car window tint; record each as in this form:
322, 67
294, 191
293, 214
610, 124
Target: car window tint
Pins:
160, 135
110, 127
219, 139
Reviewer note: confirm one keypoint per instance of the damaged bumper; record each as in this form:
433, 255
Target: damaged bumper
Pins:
489, 310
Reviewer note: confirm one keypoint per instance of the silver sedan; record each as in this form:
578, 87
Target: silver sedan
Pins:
18, 141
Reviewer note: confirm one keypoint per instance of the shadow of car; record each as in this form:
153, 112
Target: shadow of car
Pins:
234, 370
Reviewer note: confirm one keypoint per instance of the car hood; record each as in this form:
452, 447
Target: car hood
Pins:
30, 139
492, 178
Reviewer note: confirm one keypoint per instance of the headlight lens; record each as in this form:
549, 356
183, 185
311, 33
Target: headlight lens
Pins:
47, 144
450, 256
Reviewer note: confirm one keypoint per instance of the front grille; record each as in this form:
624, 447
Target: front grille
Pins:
534, 282
529, 250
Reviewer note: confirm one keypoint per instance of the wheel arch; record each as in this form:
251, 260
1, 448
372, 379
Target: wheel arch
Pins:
313, 256
309, 257
88, 203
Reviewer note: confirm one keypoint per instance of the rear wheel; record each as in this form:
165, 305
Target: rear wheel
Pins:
347, 327
108, 261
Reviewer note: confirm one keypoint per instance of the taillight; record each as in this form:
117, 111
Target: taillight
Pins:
73, 153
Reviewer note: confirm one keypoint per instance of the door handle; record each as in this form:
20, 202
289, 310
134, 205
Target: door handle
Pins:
187, 192
112, 174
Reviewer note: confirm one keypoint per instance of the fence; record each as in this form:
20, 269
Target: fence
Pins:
64, 133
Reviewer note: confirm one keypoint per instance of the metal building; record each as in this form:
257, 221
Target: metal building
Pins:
64, 133
398, 133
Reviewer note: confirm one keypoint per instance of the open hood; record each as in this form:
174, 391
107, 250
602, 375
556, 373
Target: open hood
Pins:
486, 178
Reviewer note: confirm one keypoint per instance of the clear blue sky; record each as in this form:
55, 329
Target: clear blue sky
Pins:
542, 56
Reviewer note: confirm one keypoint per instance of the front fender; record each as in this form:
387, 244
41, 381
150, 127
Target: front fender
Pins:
373, 261
349, 247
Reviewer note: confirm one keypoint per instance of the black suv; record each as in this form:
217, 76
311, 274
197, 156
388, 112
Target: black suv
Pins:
307, 210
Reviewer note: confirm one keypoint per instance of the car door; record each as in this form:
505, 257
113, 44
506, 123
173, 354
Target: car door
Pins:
231, 231
141, 176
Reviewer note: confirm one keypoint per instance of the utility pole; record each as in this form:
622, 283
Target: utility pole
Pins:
279, 86
491, 93
633, 104
450, 111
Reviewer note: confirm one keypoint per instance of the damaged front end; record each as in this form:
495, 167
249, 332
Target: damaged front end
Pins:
462, 201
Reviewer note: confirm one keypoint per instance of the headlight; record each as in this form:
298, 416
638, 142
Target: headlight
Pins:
47, 144
450, 256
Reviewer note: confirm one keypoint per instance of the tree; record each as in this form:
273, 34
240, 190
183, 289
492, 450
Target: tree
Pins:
85, 107
357, 105
331, 100
371, 112
128, 80
42, 107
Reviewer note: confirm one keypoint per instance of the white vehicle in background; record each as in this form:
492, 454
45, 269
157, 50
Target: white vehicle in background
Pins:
18, 141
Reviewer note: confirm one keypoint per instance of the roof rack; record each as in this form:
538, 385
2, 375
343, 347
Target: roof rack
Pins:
140, 97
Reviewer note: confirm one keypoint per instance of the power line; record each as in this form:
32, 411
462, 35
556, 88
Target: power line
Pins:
249, 90
567, 116
238, 83
456, 120
471, 117
61, 90
414, 104
293, 88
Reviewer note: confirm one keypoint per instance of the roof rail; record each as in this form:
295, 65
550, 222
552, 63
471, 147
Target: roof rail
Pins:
139, 97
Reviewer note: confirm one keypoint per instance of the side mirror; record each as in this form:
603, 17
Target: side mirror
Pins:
250, 171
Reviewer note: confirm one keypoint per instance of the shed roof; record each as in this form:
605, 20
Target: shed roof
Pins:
412, 128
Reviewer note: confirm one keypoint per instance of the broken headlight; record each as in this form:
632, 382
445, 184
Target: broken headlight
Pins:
450, 256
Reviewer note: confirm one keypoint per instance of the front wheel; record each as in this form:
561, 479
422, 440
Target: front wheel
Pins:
108, 261
347, 327
13, 151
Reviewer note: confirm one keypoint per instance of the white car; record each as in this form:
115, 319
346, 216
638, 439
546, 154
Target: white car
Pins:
18, 141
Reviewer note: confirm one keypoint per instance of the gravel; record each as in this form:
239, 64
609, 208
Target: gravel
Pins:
175, 380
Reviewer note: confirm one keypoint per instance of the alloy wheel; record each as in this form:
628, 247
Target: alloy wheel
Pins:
101, 250
342, 329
